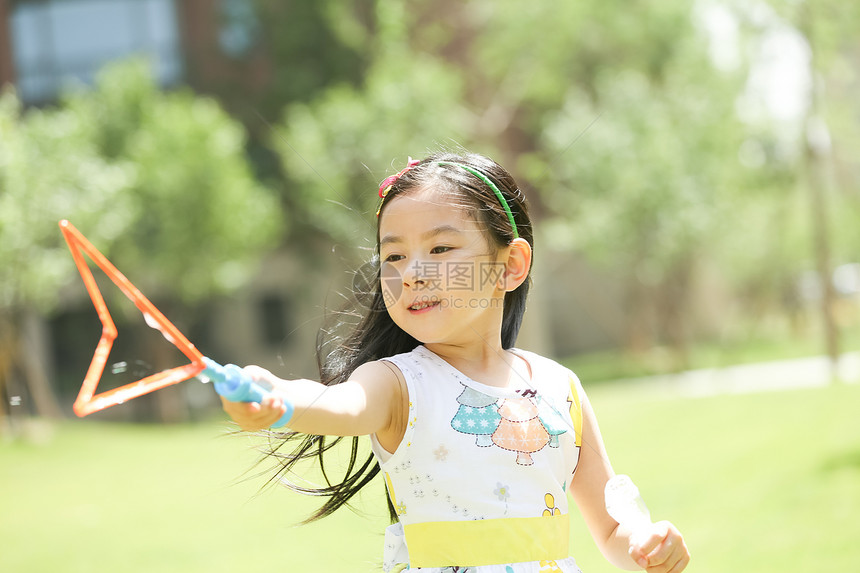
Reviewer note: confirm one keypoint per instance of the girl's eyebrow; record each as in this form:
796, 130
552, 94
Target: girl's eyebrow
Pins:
435, 231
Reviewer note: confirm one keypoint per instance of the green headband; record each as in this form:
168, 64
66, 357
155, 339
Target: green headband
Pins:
489, 183
385, 187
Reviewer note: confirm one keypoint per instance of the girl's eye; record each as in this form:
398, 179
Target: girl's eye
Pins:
439, 250
393, 258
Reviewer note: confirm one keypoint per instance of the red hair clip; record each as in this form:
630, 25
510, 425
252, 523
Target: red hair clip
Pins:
389, 181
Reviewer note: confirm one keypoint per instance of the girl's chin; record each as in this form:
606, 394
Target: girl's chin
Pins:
425, 334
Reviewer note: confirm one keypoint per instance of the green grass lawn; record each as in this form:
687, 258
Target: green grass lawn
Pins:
759, 482
762, 482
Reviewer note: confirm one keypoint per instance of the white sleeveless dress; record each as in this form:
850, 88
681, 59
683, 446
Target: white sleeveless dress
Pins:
480, 479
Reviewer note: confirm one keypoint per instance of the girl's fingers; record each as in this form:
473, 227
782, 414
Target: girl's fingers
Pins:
675, 564
644, 544
240, 408
663, 551
251, 416
681, 564
276, 405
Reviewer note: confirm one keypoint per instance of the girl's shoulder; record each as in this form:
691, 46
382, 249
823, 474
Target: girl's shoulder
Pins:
404, 364
551, 376
543, 365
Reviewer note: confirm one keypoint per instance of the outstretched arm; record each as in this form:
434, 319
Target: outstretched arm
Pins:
373, 400
658, 548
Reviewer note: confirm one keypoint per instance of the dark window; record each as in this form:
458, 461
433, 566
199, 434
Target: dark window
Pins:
274, 319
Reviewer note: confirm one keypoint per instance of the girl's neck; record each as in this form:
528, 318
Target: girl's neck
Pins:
484, 362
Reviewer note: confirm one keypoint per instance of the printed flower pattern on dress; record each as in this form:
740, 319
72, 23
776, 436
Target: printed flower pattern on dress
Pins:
503, 492
441, 453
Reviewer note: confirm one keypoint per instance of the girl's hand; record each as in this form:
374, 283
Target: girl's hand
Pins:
660, 550
251, 416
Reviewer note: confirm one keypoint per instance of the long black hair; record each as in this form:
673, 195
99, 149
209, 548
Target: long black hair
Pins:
372, 335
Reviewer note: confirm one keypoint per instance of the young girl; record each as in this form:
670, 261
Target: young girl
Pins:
478, 442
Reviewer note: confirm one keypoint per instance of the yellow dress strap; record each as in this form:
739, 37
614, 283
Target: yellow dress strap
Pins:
575, 410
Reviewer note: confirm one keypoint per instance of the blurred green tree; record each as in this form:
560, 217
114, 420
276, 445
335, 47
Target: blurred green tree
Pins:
49, 169
649, 190
198, 212
642, 188
807, 149
830, 32
338, 147
156, 180
623, 121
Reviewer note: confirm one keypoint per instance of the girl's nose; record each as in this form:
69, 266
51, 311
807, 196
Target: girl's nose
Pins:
414, 275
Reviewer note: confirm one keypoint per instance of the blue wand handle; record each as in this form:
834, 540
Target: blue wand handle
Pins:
232, 383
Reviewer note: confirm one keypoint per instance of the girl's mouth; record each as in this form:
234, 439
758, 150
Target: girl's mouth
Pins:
423, 306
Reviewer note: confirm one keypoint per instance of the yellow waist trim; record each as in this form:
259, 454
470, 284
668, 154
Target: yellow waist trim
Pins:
487, 541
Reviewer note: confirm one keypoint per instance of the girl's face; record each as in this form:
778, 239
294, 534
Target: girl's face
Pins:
440, 277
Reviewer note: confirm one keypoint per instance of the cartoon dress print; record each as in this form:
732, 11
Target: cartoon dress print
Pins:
478, 414
523, 424
552, 420
520, 429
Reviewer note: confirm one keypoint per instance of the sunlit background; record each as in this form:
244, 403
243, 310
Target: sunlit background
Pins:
692, 171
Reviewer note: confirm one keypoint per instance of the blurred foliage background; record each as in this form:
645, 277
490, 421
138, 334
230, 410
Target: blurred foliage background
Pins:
692, 170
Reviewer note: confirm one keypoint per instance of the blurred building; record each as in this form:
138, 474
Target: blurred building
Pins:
49, 45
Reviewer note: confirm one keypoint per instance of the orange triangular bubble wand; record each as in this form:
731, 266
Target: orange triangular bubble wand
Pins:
229, 381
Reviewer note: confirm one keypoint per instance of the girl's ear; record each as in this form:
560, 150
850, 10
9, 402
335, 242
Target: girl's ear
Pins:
517, 265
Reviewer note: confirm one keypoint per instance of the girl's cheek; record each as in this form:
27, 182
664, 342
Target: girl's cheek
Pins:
391, 283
